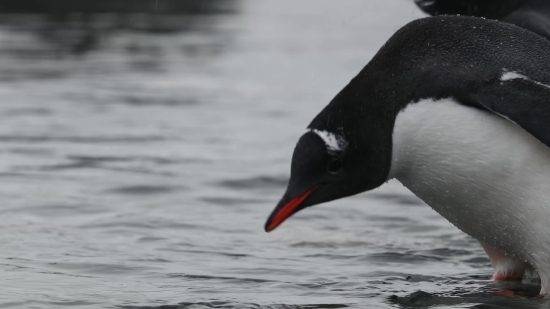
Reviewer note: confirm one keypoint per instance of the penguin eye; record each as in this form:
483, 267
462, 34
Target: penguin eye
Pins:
334, 166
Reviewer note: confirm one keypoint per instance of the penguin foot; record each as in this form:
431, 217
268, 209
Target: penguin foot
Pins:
500, 275
506, 267
508, 294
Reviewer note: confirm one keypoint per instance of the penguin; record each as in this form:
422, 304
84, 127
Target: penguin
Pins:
532, 15
457, 109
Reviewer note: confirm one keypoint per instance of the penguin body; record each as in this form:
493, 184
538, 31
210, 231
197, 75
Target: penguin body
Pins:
458, 110
494, 186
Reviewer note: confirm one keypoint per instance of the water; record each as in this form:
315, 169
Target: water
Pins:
139, 174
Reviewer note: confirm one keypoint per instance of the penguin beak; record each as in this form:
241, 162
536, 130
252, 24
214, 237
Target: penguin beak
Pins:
286, 208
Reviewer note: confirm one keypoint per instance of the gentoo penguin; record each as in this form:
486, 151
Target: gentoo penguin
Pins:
532, 15
458, 110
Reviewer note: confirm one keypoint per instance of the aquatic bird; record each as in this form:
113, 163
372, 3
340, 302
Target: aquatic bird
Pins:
457, 109
532, 15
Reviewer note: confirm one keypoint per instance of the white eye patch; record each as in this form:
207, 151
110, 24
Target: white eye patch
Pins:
333, 141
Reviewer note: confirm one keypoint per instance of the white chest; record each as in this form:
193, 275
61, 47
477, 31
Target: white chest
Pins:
483, 173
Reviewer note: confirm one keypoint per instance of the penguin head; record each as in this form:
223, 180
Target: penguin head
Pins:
339, 155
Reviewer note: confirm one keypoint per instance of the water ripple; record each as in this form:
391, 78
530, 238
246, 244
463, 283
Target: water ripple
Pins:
255, 183
83, 139
233, 279
146, 189
233, 305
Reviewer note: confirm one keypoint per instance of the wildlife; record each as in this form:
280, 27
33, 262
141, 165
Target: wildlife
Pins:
457, 109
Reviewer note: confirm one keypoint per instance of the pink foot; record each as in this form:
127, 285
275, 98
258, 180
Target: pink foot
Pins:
506, 267
509, 294
507, 275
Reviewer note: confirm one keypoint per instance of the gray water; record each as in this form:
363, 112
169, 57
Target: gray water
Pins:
140, 174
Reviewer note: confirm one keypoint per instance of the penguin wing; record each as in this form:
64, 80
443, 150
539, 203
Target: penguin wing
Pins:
522, 101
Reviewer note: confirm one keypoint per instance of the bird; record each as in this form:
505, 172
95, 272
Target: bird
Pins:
533, 15
457, 109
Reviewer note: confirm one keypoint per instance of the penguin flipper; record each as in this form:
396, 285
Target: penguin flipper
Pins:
522, 101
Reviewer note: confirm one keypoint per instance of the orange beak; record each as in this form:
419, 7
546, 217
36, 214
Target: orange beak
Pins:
284, 210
